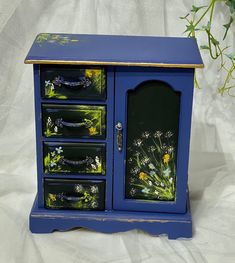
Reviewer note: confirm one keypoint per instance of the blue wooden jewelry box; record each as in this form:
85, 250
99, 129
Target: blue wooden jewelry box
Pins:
113, 119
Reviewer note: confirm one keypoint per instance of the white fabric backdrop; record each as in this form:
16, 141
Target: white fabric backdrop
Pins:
211, 174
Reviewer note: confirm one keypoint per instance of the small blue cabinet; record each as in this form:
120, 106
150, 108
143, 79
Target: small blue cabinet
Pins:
113, 119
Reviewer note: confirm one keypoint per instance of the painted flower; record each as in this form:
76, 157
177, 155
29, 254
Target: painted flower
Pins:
152, 173
146, 134
53, 153
171, 180
151, 166
94, 204
143, 176
92, 131
170, 149
132, 179
56, 129
167, 172
138, 142
152, 149
164, 147
52, 164
130, 160
166, 158
78, 188
93, 166
162, 184
94, 189
157, 134
168, 134
145, 190
47, 83
97, 160
150, 183
49, 120
135, 170
132, 191
52, 197
59, 150
144, 161
156, 192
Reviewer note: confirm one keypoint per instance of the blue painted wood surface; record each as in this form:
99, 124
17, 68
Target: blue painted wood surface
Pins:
103, 48
173, 225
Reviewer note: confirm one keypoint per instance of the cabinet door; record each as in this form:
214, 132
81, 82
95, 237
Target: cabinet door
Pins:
152, 121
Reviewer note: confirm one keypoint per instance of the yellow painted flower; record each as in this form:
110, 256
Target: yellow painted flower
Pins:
143, 176
52, 197
92, 73
166, 158
92, 131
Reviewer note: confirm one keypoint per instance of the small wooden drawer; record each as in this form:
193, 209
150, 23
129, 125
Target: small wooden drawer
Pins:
76, 121
74, 194
71, 82
74, 158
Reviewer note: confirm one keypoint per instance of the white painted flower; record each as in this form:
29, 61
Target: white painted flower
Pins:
53, 153
162, 184
150, 183
151, 166
47, 82
97, 160
94, 204
93, 166
138, 142
59, 150
156, 192
132, 191
171, 180
167, 172
78, 188
145, 190
157, 134
94, 189
55, 129
52, 164
146, 134
152, 173
49, 120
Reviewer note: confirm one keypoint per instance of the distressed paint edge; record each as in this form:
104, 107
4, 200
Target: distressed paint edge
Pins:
111, 63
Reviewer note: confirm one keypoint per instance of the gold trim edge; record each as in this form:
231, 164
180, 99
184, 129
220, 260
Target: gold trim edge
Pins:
139, 64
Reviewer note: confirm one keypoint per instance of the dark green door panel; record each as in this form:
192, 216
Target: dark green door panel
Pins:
152, 137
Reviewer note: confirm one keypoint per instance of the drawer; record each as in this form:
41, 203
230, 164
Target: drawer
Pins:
72, 158
72, 82
77, 121
74, 194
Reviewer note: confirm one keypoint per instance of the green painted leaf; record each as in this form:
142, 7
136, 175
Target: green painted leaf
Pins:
230, 56
184, 17
214, 41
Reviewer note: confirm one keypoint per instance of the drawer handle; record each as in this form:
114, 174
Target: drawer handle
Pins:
85, 123
64, 197
83, 82
87, 161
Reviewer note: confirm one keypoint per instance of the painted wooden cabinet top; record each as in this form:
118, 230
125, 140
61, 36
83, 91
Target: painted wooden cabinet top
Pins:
114, 50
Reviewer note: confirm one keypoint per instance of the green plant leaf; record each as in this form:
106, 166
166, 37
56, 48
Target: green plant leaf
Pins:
190, 28
231, 5
204, 47
195, 9
207, 27
230, 56
227, 26
184, 17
